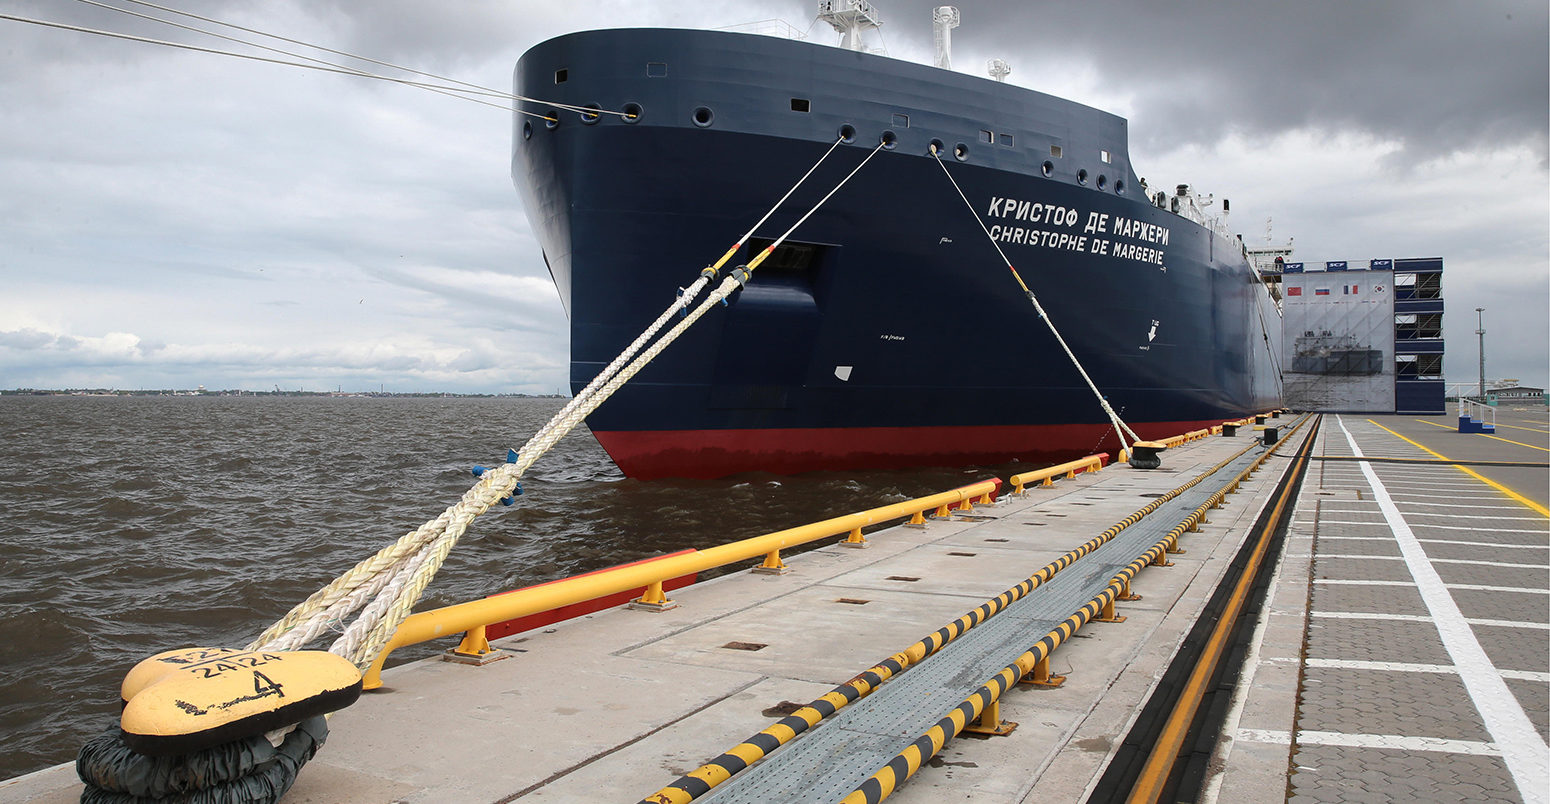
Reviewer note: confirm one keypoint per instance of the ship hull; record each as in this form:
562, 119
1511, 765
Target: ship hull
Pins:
891, 334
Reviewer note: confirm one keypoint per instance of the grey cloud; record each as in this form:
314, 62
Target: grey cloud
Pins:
26, 339
1438, 76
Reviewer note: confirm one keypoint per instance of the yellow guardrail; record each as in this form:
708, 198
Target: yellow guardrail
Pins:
472, 617
1047, 475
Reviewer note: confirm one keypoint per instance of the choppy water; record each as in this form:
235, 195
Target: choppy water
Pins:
133, 525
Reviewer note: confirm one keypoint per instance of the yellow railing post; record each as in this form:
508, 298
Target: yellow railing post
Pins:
772, 564
990, 722
1040, 676
1107, 615
653, 599
474, 643
465, 617
855, 539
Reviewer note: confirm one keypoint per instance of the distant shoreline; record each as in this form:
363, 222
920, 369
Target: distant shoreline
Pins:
113, 392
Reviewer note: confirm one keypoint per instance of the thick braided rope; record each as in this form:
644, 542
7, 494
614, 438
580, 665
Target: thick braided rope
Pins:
354, 641
332, 617
566, 414
435, 539
495, 484
313, 614
361, 573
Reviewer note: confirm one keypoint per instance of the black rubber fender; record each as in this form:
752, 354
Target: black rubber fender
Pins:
248, 771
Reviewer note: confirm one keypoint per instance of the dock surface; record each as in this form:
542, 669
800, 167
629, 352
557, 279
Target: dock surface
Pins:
1402, 654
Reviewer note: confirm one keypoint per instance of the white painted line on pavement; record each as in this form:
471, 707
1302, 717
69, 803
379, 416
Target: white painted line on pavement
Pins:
1422, 618
1438, 561
1415, 667
1390, 741
1522, 746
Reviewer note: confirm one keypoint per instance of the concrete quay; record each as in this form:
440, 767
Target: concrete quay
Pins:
1405, 650
1349, 692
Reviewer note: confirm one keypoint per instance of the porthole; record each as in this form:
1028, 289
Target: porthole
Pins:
1103, 182
632, 112
889, 140
1048, 167
703, 116
527, 129
961, 151
1081, 176
590, 117
1119, 186
847, 133
936, 148
552, 119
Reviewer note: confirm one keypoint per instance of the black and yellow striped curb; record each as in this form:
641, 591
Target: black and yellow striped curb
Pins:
702, 779
907, 762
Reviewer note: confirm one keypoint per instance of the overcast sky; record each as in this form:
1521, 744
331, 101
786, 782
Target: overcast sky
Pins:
174, 219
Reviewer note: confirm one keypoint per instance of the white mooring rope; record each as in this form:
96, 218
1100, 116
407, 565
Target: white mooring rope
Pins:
1120, 427
393, 579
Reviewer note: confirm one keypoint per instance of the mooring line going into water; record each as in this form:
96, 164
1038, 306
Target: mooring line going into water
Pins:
415, 558
1120, 427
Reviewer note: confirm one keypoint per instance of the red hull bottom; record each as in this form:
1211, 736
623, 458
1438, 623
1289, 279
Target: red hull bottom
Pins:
648, 455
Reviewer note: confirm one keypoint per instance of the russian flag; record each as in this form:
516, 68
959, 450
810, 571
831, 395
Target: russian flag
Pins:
1321, 291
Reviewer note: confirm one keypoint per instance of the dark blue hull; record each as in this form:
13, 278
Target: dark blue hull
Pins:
892, 334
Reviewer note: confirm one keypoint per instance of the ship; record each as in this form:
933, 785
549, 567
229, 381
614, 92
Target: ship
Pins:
1336, 355
887, 331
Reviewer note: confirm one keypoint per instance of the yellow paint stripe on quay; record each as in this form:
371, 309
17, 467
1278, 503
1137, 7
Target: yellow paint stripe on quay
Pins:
1487, 435
1519, 443
1533, 506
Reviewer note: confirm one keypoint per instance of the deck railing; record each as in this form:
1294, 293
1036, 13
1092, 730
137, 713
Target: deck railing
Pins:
473, 617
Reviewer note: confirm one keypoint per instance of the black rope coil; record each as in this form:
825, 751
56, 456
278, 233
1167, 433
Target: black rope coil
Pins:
246, 771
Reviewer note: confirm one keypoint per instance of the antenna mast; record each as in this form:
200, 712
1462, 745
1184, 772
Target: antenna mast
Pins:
849, 18
946, 19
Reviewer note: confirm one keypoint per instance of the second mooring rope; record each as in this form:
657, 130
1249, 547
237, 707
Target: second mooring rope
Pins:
1120, 427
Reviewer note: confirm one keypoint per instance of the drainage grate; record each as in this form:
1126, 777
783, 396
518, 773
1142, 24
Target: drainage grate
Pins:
900, 578
852, 601
965, 555
745, 645
998, 540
